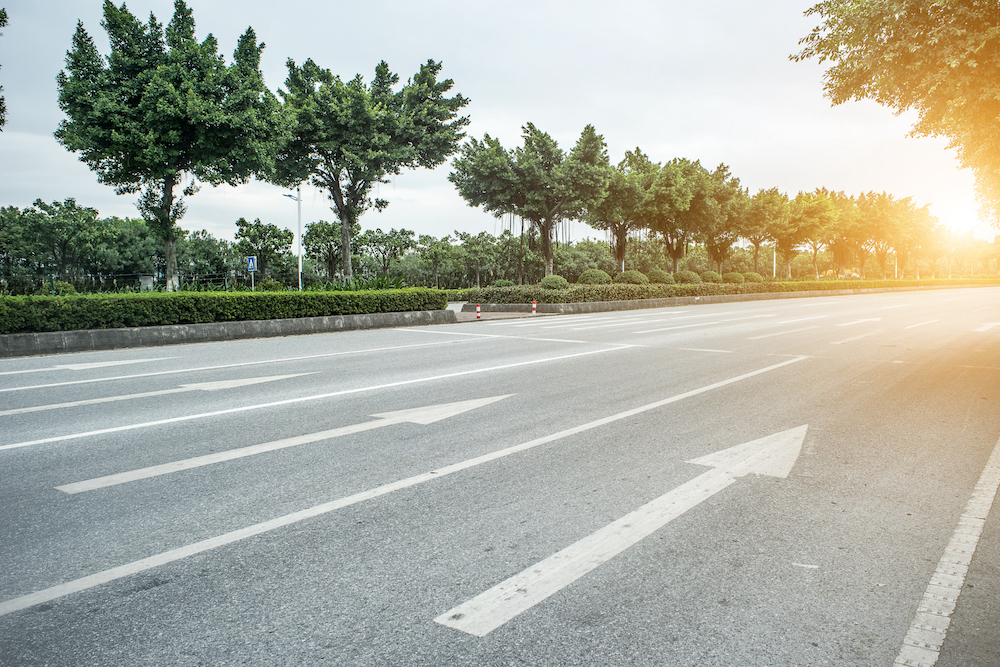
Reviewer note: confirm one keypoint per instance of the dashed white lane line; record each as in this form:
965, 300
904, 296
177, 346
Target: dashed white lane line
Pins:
782, 333
83, 367
854, 338
803, 319
88, 582
314, 397
914, 326
923, 642
479, 335
239, 365
702, 349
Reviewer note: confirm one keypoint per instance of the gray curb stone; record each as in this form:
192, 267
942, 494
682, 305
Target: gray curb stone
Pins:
55, 342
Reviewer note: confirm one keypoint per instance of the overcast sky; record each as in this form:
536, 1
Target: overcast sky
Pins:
709, 80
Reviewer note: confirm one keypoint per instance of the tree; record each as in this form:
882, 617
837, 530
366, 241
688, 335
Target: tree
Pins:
202, 254
480, 250
620, 212
721, 227
536, 181
666, 207
163, 107
938, 57
435, 251
347, 137
3, 102
55, 229
322, 242
764, 208
813, 214
387, 246
265, 242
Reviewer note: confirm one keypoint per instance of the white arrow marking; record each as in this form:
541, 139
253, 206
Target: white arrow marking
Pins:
870, 319
773, 455
81, 367
987, 327
201, 386
425, 415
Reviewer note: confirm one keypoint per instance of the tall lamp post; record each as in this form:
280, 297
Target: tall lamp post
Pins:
298, 237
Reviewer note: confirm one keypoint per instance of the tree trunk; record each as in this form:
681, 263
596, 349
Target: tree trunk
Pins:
756, 252
170, 271
547, 249
166, 226
621, 238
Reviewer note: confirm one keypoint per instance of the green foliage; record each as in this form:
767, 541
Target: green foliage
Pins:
554, 282
711, 277
322, 241
163, 107
63, 288
733, 277
632, 278
387, 246
687, 278
457, 294
660, 276
271, 285
593, 277
364, 284
752, 277
347, 137
501, 282
64, 313
265, 241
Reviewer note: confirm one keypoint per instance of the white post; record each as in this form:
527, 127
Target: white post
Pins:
298, 193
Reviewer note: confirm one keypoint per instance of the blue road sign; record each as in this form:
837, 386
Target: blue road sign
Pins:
251, 263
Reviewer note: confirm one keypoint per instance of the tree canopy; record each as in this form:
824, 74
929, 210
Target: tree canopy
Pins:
162, 107
346, 137
938, 57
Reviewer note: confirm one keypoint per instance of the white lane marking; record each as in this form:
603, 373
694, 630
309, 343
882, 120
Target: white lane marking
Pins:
774, 455
479, 335
802, 319
914, 326
301, 399
808, 567
870, 319
900, 305
239, 365
854, 338
987, 327
702, 349
424, 415
923, 642
99, 578
981, 309
201, 386
782, 333
702, 324
81, 367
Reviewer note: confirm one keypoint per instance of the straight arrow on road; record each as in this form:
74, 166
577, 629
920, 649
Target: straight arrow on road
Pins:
424, 415
200, 386
773, 455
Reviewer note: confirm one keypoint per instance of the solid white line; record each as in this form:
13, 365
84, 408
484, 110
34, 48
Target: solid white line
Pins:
301, 399
491, 609
782, 333
134, 567
213, 368
479, 335
808, 567
987, 327
854, 338
701, 324
923, 642
914, 326
81, 367
702, 349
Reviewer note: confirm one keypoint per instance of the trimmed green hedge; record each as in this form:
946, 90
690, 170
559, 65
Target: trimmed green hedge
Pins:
20, 314
625, 292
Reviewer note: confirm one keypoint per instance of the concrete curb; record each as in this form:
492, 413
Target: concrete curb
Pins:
55, 342
636, 304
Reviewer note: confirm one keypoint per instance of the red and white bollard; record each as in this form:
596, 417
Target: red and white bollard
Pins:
534, 307
479, 312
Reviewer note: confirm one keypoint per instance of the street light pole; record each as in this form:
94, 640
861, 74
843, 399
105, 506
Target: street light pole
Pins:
298, 237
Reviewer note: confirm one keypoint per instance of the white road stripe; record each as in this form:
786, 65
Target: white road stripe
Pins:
701, 324
301, 399
914, 326
144, 564
782, 333
702, 349
240, 365
81, 367
479, 335
854, 338
802, 319
987, 327
923, 642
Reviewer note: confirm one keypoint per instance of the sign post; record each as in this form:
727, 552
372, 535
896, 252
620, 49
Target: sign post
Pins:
252, 267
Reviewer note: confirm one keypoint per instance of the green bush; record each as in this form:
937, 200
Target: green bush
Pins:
593, 277
502, 282
271, 285
554, 282
632, 278
63, 288
752, 277
733, 278
711, 277
687, 277
457, 294
108, 311
661, 277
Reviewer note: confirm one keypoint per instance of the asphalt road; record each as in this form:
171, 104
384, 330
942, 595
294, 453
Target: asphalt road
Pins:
296, 501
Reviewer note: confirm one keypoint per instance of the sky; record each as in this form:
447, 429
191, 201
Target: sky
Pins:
709, 80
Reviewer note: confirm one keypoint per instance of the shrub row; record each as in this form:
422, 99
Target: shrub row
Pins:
20, 314
628, 292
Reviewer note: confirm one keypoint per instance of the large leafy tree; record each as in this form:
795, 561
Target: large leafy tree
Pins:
347, 137
666, 206
322, 241
814, 215
765, 208
3, 102
163, 111
620, 212
938, 57
537, 181
721, 226
387, 246
266, 242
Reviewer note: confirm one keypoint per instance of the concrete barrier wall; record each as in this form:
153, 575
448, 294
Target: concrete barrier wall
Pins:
18, 345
